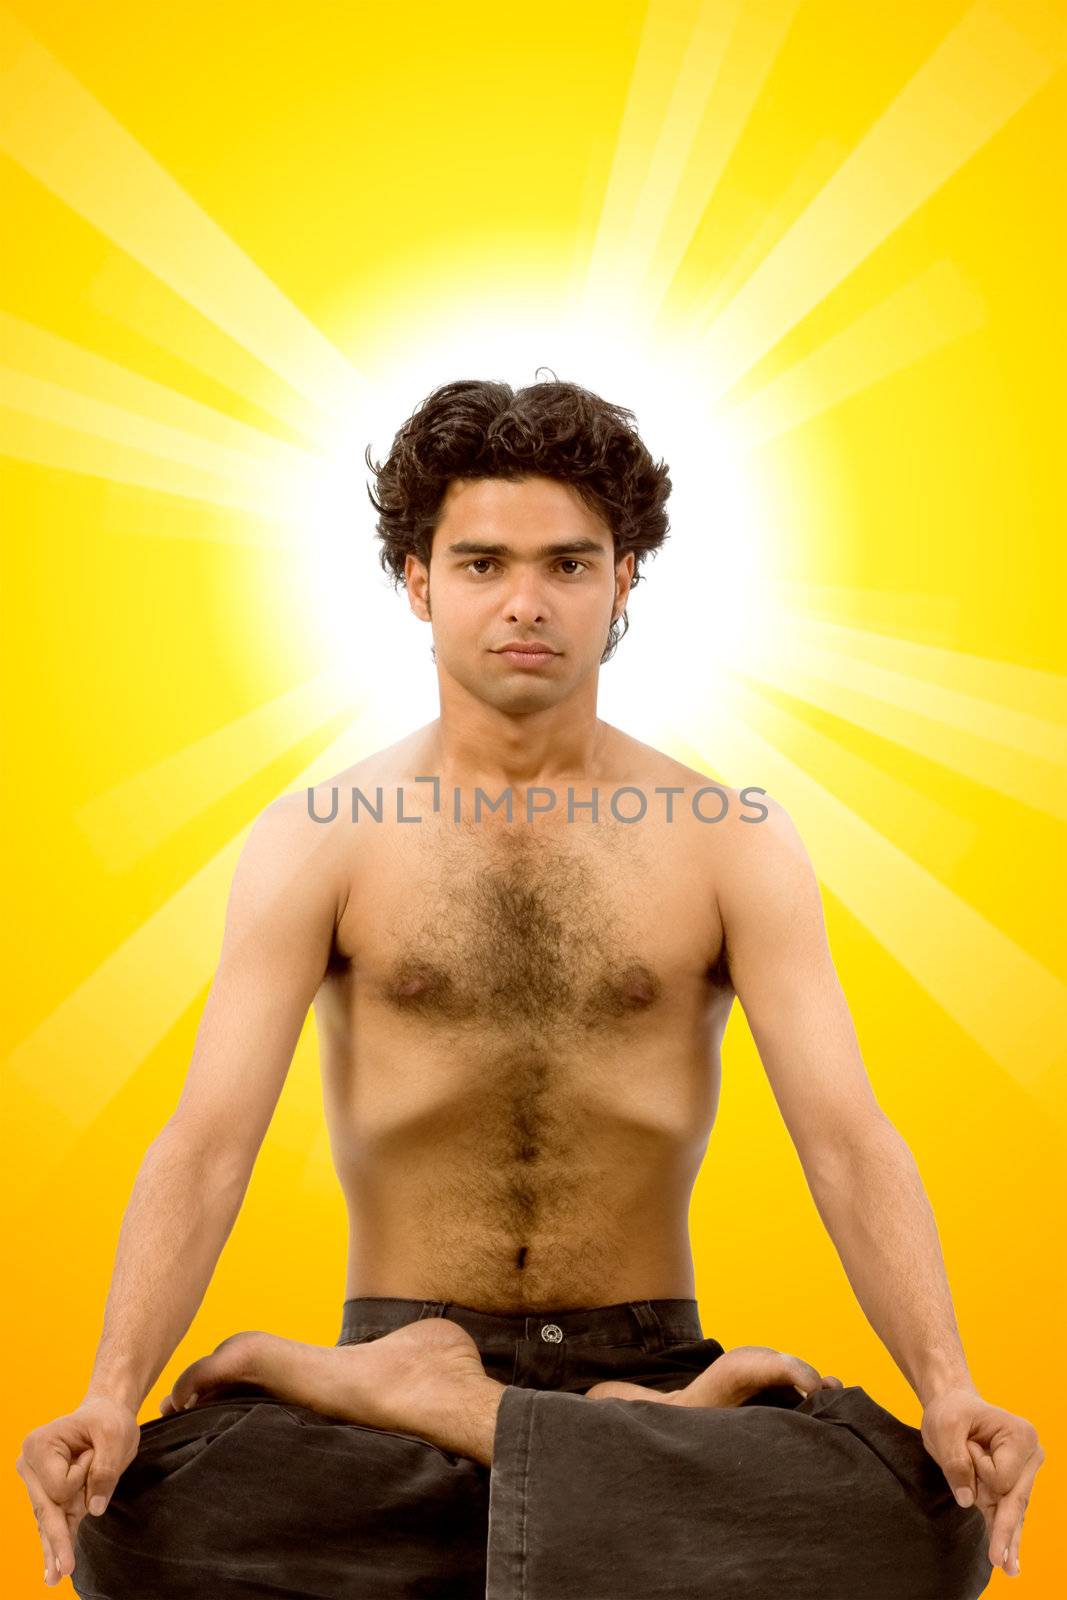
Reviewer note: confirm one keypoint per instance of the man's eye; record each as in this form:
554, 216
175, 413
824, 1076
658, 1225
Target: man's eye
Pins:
565, 561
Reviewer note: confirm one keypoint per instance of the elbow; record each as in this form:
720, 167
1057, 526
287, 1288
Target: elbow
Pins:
834, 1158
218, 1165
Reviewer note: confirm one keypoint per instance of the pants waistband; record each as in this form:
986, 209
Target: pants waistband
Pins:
651, 1323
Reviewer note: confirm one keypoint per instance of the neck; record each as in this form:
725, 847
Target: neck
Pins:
493, 749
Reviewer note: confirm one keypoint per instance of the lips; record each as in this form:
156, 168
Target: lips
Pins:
530, 657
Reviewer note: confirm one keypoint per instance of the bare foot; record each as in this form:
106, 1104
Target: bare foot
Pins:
425, 1378
729, 1381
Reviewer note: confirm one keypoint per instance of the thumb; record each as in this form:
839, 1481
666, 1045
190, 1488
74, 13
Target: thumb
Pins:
957, 1464
105, 1469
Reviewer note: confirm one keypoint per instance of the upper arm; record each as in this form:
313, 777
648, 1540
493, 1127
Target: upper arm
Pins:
280, 920
784, 977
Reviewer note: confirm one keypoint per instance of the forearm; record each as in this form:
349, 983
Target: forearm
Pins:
877, 1213
182, 1208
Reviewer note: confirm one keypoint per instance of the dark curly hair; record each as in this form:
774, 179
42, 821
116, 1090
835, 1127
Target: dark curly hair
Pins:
481, 429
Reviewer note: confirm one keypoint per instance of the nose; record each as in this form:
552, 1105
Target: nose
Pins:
526, 602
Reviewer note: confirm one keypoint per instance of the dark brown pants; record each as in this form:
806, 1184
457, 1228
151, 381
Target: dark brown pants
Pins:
829, 1498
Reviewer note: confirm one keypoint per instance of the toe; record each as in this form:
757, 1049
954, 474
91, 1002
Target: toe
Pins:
233, 1361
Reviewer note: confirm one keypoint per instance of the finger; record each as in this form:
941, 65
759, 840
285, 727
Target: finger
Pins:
76, 1507
986, 1500
50, 1569
73, 1519
51, 1525
1004, 1522
1007, 1522
1011, 1448
50, 1458
39, 1499
985, 1473
52, 1573
1008, 1493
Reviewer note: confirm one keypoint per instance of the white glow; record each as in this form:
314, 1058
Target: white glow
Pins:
702, 596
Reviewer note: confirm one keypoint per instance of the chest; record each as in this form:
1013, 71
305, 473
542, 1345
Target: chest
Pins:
552, 929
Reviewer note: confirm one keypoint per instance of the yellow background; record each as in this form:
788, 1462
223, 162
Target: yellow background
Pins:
221, 224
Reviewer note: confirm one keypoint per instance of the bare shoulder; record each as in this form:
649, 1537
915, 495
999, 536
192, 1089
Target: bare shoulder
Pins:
763, 875
743, 837
287, 851
288, 888
326, 804
304, 842
715, 808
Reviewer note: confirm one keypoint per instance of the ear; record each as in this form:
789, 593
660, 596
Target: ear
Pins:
624, 577
417, 584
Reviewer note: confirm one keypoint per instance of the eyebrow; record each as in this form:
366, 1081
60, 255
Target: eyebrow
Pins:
477, 547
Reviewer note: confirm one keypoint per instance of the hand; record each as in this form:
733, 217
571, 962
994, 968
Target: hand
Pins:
747, 1368
989, 1456
72, 1465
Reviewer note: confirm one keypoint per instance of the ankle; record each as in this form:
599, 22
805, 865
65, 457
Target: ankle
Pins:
469, 1428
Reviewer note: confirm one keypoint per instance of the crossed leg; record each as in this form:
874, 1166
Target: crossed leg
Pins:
269, 1485
834, 1498
427, 1378
364, 1472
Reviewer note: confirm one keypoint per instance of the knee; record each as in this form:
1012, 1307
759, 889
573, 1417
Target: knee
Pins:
248, 1493
154, 1512
902, 1498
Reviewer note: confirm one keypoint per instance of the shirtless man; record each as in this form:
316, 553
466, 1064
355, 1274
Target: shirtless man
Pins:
519, 1017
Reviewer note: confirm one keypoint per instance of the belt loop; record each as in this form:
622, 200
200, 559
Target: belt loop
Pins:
648, 1323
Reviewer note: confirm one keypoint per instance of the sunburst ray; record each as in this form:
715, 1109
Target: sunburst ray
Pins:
711, 74
136, 815
923, 316
74, 1061
1010, 751
946, 945
54, 128
983, 72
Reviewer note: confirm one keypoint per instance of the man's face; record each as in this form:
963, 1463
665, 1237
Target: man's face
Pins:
519, 562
